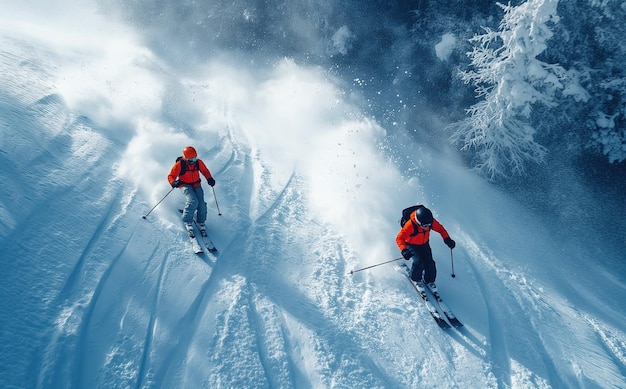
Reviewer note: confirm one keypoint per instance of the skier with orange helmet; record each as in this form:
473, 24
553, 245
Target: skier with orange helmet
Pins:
185, 174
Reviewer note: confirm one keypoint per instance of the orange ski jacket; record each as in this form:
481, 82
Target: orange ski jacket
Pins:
412, 233
191, 176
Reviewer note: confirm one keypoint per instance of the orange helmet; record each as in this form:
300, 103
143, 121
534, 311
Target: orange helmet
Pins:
189, 152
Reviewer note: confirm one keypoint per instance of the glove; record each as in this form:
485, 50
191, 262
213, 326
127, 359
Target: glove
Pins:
449, 242
407, 254
210, 181
176, 183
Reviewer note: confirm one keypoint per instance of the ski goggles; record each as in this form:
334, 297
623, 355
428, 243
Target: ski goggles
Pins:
192, 160
426, 225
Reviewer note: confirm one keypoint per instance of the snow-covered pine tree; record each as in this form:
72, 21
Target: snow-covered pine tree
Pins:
510, 79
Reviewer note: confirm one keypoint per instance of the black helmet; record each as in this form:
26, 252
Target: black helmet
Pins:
423, 216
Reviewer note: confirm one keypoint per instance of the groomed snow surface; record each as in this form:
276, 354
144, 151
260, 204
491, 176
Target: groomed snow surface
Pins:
95, 296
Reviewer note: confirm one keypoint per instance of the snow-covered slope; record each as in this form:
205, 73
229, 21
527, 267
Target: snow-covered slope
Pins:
95, 296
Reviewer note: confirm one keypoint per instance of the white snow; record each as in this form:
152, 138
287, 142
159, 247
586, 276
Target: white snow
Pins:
341, 40
95, 296
445, 47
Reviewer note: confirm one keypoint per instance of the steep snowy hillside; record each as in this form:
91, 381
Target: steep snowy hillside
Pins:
95, 296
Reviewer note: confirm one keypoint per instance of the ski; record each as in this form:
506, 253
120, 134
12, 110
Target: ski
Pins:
446, 311
205, 238
195, 244
420, 289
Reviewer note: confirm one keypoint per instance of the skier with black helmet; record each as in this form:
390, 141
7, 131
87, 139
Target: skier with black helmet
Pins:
185, 174
413, 242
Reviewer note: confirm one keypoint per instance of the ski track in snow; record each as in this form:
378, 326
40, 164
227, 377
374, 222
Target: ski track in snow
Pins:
541, 327
143, 374
499, 337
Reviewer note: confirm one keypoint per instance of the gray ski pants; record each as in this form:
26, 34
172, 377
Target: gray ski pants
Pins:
194, 196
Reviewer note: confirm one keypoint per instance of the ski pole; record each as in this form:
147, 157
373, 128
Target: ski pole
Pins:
216, 204
146, 215
369, 267
452, 260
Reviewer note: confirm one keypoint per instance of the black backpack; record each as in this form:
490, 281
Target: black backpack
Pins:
406, 216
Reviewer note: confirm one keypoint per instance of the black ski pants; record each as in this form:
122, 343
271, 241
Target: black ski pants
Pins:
423, 263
